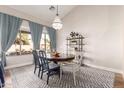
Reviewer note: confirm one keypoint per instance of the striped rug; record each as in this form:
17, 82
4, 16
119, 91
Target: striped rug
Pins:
23, 77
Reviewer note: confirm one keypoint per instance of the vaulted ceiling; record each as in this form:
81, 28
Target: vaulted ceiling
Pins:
42, 11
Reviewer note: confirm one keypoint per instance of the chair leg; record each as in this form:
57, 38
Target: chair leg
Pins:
60, 73
34, 69
39, 72
74, 78
79, 71
74, 75
48, 78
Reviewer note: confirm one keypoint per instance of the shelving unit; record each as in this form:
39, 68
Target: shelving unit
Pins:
74, 43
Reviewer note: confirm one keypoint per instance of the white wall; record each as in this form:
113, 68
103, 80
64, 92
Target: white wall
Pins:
122, 35
103, 27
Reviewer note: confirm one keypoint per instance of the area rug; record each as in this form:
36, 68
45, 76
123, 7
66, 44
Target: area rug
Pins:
88, 77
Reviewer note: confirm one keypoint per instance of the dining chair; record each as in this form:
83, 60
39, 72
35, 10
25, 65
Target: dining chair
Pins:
0, 84
73, 66
36, 62
50, 67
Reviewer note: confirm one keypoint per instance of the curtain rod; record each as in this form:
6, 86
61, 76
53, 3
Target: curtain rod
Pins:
23, 19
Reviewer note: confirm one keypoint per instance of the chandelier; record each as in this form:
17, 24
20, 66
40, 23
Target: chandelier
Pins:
57, 23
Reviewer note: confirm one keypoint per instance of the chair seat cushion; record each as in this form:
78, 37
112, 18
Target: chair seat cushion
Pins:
70, 67
53, 65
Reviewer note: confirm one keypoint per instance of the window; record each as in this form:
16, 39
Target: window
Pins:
45, 41
22, 45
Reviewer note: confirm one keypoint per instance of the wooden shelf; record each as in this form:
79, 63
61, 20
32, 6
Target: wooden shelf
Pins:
75, 38
75, 42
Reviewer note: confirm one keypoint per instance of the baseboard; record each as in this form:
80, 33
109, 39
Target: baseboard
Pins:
17, 65
105, 68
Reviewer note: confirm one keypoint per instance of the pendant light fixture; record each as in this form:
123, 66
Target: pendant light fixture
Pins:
57, 23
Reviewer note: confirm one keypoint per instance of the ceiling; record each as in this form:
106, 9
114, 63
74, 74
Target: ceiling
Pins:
42, 11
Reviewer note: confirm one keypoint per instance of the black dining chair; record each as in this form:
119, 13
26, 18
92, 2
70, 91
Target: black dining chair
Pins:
36, 62
50, 67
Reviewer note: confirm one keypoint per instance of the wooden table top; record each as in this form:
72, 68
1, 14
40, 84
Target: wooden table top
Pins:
62, 57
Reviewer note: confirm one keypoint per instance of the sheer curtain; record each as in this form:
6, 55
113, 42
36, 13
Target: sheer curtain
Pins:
9, 27
36, 31
52, 35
